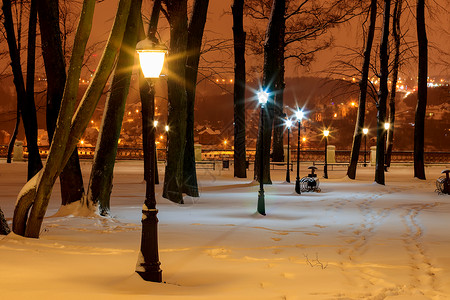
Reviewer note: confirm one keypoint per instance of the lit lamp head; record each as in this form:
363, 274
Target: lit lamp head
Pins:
263, 97
386, 125
326, 133
155, 123
365, 130
166, 127
288, 123
151, 57
299, 115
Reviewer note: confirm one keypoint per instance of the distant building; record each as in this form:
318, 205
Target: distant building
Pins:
209, 137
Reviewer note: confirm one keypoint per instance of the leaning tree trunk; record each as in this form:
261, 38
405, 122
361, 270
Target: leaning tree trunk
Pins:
71, 179
382, 96
271, 70
351, 171
239, 35
4, 228
27, 105
419, 127
397, 39
100, 182
36, 193
194, 43
176, 64
278, 115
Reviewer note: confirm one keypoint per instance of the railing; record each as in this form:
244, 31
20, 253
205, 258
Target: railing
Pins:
341, 156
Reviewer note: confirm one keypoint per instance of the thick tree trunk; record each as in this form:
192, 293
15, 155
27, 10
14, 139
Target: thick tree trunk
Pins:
100, 182
271, 71
397, 39
71, 179
278, 115
27, 106
419, 127
69, 130
382, 96
147, 95
4, 228
239, 36
176, 65
351, 171
194, 43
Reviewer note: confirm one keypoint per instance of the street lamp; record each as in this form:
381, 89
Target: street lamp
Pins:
151, 58
299, 115
365, 131
325, 166
263, 97
166, 128
288, 175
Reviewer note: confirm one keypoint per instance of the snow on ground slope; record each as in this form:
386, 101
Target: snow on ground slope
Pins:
353, 240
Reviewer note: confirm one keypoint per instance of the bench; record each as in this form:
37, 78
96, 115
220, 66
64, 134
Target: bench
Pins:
274, 164
205, 165
330, 164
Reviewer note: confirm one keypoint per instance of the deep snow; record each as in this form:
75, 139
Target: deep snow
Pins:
353, 240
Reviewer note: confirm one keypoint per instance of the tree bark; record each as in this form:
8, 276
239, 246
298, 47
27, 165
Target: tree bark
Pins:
194, 43
397, 40
100, 182
382, 96
176, 85
239, 36
71, 179
278, 115
4, 228
271, 71
419, 127
12, 141
357, 136
27, 106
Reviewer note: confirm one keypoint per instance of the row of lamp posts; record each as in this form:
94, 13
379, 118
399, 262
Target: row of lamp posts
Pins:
151, 58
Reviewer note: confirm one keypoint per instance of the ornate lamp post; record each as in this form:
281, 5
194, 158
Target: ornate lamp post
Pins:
299, 115
288, 175
325, 166
151, 57
365, 131
263, 97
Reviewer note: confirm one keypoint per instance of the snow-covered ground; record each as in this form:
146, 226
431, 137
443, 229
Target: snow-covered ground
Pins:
353, 240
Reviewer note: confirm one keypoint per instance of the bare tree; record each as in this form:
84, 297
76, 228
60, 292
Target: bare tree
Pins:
239, 35
4, 228
382, 96
419, 124
351, 171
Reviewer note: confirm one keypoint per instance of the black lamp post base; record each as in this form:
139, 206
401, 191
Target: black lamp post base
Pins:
148, 261
261, 206
297, 186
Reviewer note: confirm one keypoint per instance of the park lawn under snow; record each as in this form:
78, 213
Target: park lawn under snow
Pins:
353, 240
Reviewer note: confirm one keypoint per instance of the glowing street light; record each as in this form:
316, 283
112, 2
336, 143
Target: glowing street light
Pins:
263, 97
387, 125
325, 166
151, 58
288, 124
155, 123
299, 115
365, 131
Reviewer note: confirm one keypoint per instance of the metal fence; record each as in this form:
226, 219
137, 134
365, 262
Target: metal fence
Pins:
341, 156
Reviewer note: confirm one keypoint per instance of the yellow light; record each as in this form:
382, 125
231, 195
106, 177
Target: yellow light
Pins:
155, 123
151, 58
304, 139
137, 110
326, 133
166, 127
386, 125
161, 137
365, 130
353, 104
335, 115
129, 113
82, 142
92, 121
225, 142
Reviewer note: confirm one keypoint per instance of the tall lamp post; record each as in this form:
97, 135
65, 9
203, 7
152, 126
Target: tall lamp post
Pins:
299, 115
263, 97
166, 128
288, 174
325, 166
365, 131
151, 57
